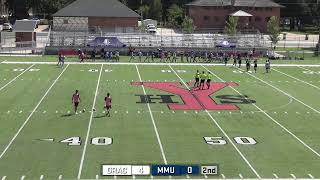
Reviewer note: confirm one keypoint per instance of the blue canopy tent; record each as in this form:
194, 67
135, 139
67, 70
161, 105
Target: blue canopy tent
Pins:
225, 44
109, 42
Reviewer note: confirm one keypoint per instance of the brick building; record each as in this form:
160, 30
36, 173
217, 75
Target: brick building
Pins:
209, 14
89, 15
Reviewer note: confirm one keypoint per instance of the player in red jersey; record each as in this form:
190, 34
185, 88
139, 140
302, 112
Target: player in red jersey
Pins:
76, 100
108, 101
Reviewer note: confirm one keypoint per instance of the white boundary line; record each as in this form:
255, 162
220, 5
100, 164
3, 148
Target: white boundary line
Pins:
285, 93
304, 68
296, 78
89, 125
275, 121
217, 124
310, 176
156, 64
16, 78
29, 117
153, 122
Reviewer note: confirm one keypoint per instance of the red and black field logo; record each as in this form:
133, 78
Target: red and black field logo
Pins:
193, 99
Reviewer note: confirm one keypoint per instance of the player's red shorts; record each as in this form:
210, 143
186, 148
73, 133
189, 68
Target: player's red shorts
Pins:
107, 106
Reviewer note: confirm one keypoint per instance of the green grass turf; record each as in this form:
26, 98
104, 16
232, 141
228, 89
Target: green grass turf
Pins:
131, 128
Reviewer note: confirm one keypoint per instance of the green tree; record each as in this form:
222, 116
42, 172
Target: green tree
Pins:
231, 25
312, 8
187, 25
156, 10
273, 30
145, 9
48, 7
175, 15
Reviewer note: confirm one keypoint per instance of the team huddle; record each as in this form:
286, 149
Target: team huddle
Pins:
76, 101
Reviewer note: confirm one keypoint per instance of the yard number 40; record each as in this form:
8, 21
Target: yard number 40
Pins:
97, 141
238, 140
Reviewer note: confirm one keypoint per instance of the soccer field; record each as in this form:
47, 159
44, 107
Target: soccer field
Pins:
252, 125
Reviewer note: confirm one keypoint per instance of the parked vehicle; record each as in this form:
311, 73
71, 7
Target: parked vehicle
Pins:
151, 28
7, 27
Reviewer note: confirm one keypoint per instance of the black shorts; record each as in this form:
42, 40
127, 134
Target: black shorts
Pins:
107, 107
203, 80
76, 104
255, 65
209, 80
197, 79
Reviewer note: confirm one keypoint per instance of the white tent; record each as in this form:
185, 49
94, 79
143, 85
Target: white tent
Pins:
241, 14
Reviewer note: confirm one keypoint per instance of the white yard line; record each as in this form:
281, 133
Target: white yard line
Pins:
276, 176
310, 176
275, 121
293, 176
157, 64
285, 93
89, 125
296, 78
16, 77
223, 176
304, 68
225, 134
153, 122
29, 117
240, 175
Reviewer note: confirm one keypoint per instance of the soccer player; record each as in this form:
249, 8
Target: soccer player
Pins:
132, 55
152, 55
225, 59
267, 66
174, 57
63, 57
239, 60
59, 59
197, 78
203, 78
147, 57
140, 55
108, 101
209, 77
248, 64
162, 56
76, 101
82, 56
255, 62
234, 61
117, 56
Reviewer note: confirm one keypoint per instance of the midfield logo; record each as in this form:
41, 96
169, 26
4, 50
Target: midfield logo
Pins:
193, 99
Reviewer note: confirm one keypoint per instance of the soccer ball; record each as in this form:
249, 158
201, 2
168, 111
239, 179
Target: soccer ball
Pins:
84, 110
93, 109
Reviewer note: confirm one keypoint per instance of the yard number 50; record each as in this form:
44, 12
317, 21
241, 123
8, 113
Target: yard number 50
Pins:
238, 140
